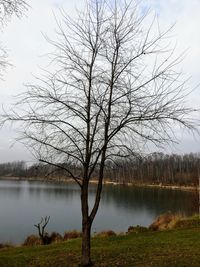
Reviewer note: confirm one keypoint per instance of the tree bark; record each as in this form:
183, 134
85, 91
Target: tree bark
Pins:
86, 232
86, 225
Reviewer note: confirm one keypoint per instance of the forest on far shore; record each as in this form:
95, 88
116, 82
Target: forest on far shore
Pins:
155, 168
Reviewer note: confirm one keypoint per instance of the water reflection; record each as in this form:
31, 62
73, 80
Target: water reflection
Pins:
16, 191
157, 200
23, 203
51, 192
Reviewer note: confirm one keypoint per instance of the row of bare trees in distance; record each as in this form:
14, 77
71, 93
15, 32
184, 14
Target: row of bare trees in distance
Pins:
155, 168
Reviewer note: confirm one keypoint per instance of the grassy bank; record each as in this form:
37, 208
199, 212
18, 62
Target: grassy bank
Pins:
179, 247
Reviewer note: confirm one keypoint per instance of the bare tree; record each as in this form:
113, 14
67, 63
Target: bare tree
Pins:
8, 8
41, 230
115, 87
11, 7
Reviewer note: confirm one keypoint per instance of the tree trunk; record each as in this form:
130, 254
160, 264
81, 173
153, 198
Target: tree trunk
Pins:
86, 232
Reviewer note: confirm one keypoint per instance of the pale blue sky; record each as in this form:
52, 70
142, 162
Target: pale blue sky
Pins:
27, 46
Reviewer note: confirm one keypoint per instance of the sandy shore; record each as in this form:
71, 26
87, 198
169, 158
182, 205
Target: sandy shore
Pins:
64, 180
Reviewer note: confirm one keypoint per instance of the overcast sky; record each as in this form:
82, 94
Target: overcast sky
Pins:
27, 47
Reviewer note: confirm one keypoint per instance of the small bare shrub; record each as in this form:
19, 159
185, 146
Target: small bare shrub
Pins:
45, 238
32, 240
72, 234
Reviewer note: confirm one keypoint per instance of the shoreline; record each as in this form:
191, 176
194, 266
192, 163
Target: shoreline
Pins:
106, 182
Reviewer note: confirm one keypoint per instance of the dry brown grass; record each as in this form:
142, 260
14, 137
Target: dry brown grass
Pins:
106, 233
165, 221
56, 237
32, 240
72, 234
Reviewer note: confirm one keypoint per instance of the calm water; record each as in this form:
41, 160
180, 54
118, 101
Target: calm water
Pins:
22, 204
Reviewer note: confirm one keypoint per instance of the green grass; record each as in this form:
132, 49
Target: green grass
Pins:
171, 248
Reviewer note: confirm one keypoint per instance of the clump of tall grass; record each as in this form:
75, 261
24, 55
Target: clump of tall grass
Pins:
173, 221
107, 233
32, 240
165, 221
72, 234
56, 237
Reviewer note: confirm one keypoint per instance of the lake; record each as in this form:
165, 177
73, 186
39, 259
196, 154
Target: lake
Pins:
23, 203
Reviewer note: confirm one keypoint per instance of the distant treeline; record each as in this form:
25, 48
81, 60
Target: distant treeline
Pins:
155, 168
158, 168
16, 169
